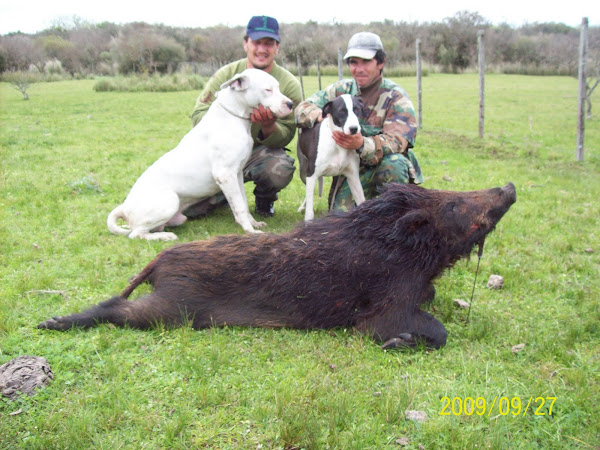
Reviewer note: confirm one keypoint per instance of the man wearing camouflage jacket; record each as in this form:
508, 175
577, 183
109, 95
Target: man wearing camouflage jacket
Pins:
269, 166
388, 122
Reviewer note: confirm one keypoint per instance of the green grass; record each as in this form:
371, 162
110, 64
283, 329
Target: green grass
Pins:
69, 155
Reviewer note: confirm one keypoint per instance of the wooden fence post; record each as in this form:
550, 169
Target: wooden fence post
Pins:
582, 89
299, 65
419, 86
340, 66
319, 71
481, 49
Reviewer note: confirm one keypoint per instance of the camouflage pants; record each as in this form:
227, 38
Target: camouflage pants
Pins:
271, 169
394, 167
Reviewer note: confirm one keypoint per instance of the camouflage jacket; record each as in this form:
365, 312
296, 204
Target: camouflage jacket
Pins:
388, 122
288, 84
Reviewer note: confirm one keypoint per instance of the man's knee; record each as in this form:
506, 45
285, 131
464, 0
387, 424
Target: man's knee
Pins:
394, 168
281, 170
271, 170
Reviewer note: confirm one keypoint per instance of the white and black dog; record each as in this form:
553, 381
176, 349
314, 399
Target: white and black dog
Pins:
321, 156
210, 158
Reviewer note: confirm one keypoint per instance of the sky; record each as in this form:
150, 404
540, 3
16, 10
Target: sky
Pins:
36, 15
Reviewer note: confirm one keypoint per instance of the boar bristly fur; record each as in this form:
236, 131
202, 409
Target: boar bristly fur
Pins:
370, 269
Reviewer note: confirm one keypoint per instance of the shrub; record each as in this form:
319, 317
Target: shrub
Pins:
53, 66
154, 83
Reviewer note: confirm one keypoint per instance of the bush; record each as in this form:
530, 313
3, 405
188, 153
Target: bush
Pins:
531, 69
53, 67
106, 69
153, 83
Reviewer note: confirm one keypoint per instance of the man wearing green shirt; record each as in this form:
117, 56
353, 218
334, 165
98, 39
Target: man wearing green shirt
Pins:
388, 122
269, 167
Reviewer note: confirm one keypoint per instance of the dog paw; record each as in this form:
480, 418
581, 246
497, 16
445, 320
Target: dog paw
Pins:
259, 224
166, 236
155, 236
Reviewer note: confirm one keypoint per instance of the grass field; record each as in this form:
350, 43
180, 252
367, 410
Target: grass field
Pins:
69, 155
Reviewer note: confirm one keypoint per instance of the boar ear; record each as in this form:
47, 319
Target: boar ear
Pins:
413, 226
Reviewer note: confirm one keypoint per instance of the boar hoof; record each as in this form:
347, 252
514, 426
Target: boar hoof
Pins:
55, 323
403, 340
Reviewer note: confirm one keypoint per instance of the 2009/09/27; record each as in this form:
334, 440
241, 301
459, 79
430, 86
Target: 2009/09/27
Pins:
457, 406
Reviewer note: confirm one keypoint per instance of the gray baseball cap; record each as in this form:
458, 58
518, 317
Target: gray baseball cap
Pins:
363, 45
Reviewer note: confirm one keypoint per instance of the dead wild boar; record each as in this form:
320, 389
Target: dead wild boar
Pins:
371, 269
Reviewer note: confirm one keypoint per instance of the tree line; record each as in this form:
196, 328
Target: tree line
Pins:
80, 48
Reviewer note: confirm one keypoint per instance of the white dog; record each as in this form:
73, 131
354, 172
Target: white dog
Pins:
210, 158
323, 157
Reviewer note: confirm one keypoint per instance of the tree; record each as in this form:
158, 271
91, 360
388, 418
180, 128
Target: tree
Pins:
456, 40
81, 47
63, 50
217, 45
22, 51
91, 43
21, 81
140, 49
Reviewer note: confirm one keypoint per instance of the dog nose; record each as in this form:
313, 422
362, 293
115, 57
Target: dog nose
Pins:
353, 130
290, 105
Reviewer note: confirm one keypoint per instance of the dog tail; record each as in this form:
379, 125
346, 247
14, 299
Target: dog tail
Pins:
111, 221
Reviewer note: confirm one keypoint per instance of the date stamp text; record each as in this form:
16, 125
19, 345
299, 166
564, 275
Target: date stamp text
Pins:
504, 406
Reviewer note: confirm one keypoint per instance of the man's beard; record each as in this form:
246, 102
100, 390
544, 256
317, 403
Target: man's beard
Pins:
260, 64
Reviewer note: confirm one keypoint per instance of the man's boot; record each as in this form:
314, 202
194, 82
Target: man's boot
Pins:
264, 206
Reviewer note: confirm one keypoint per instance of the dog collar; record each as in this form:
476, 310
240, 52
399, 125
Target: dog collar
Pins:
230, 111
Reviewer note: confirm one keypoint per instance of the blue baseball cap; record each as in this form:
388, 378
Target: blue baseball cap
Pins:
263, 27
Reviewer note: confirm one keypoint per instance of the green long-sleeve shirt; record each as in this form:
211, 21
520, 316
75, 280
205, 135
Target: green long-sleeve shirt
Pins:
288, 85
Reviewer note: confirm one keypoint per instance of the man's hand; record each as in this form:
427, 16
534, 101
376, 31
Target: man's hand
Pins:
348, 141
265, 118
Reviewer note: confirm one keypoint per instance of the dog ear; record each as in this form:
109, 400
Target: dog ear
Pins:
326, 109
239, 82
358, 104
